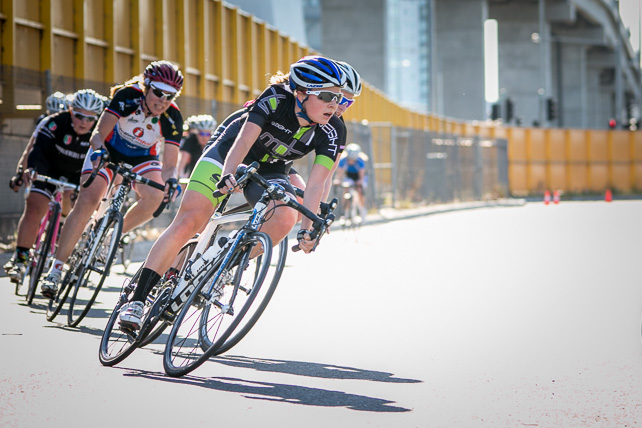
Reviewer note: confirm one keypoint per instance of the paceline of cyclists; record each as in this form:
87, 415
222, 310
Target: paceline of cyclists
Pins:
140, 124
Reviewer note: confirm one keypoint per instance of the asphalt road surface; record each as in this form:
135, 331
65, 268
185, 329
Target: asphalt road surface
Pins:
498, 317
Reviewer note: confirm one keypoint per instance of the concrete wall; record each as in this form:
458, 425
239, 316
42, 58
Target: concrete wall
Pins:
459, 30
355, 31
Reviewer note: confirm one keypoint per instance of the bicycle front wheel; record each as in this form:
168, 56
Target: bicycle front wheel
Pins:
262, 299
217, 305
95, 269
44, 247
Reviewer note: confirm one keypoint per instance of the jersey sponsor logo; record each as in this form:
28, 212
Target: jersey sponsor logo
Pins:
149, 126
278, 147
282, 128
331, 131
70, 153
138, 132
66, 139
52, 126
270, 103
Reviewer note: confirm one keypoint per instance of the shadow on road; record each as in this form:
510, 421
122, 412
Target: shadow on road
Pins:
293, 394
299, 368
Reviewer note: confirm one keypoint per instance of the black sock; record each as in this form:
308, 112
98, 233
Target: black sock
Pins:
148, 279
22, 254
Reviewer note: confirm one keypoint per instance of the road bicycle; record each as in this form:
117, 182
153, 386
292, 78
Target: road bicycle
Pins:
45, 245
349, 211
92, 258
222, 289
254, 285
167, 298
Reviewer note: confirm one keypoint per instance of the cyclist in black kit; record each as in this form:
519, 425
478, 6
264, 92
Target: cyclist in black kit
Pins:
58, 152
294, 116
54, 103
140, 116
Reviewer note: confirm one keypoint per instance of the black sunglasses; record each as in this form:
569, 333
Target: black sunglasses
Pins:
327, 96
162, 94
85, 117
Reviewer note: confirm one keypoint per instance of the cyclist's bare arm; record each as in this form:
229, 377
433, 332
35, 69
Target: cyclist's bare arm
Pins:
170, 159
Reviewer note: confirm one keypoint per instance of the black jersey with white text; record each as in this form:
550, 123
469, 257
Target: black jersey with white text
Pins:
58, 144
282, 140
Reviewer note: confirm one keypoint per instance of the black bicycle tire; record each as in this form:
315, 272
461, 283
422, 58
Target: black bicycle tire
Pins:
170, 369
61, 297
103, 357
115, 221
67, 279
42, 258
236, 336
126, 252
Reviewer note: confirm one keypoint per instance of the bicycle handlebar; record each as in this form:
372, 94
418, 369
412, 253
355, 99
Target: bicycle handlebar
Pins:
128, 174
64, 185
319, 224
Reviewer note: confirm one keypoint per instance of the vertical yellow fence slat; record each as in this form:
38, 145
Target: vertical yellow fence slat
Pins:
46, 47
135, 37
110, 39
181, 33
81, 46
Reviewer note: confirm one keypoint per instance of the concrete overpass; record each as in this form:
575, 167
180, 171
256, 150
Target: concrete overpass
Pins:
576, 53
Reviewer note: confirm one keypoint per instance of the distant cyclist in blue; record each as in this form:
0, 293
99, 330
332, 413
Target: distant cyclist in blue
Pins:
352, 170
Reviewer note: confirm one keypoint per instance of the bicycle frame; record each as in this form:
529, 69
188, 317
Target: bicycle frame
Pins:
201, 257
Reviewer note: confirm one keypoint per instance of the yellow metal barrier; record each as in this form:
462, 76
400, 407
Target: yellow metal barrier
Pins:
228, 56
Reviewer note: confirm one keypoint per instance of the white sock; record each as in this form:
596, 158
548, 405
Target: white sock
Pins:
57, 266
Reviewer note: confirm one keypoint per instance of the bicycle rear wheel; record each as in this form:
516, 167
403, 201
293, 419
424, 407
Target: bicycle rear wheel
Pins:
262, 299
94, 270
217, 305
44, 247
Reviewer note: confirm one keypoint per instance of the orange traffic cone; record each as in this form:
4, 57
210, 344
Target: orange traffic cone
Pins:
547, 197
556, 197
608, 196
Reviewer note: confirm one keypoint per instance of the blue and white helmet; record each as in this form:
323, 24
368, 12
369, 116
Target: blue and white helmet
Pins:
353, 80
88, 99
316, 72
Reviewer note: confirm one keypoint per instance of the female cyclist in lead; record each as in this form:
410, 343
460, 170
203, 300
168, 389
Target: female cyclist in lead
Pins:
294, 116
140, 115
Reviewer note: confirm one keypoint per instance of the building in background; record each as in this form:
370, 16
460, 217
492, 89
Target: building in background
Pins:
387, 41
286, 15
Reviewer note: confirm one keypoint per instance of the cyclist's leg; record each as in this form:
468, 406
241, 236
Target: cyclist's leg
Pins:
297, 181
36, 207
88, 200
196, 208
281, 218
148, 199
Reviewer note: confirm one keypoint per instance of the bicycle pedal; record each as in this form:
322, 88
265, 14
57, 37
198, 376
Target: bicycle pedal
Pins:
128, 330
